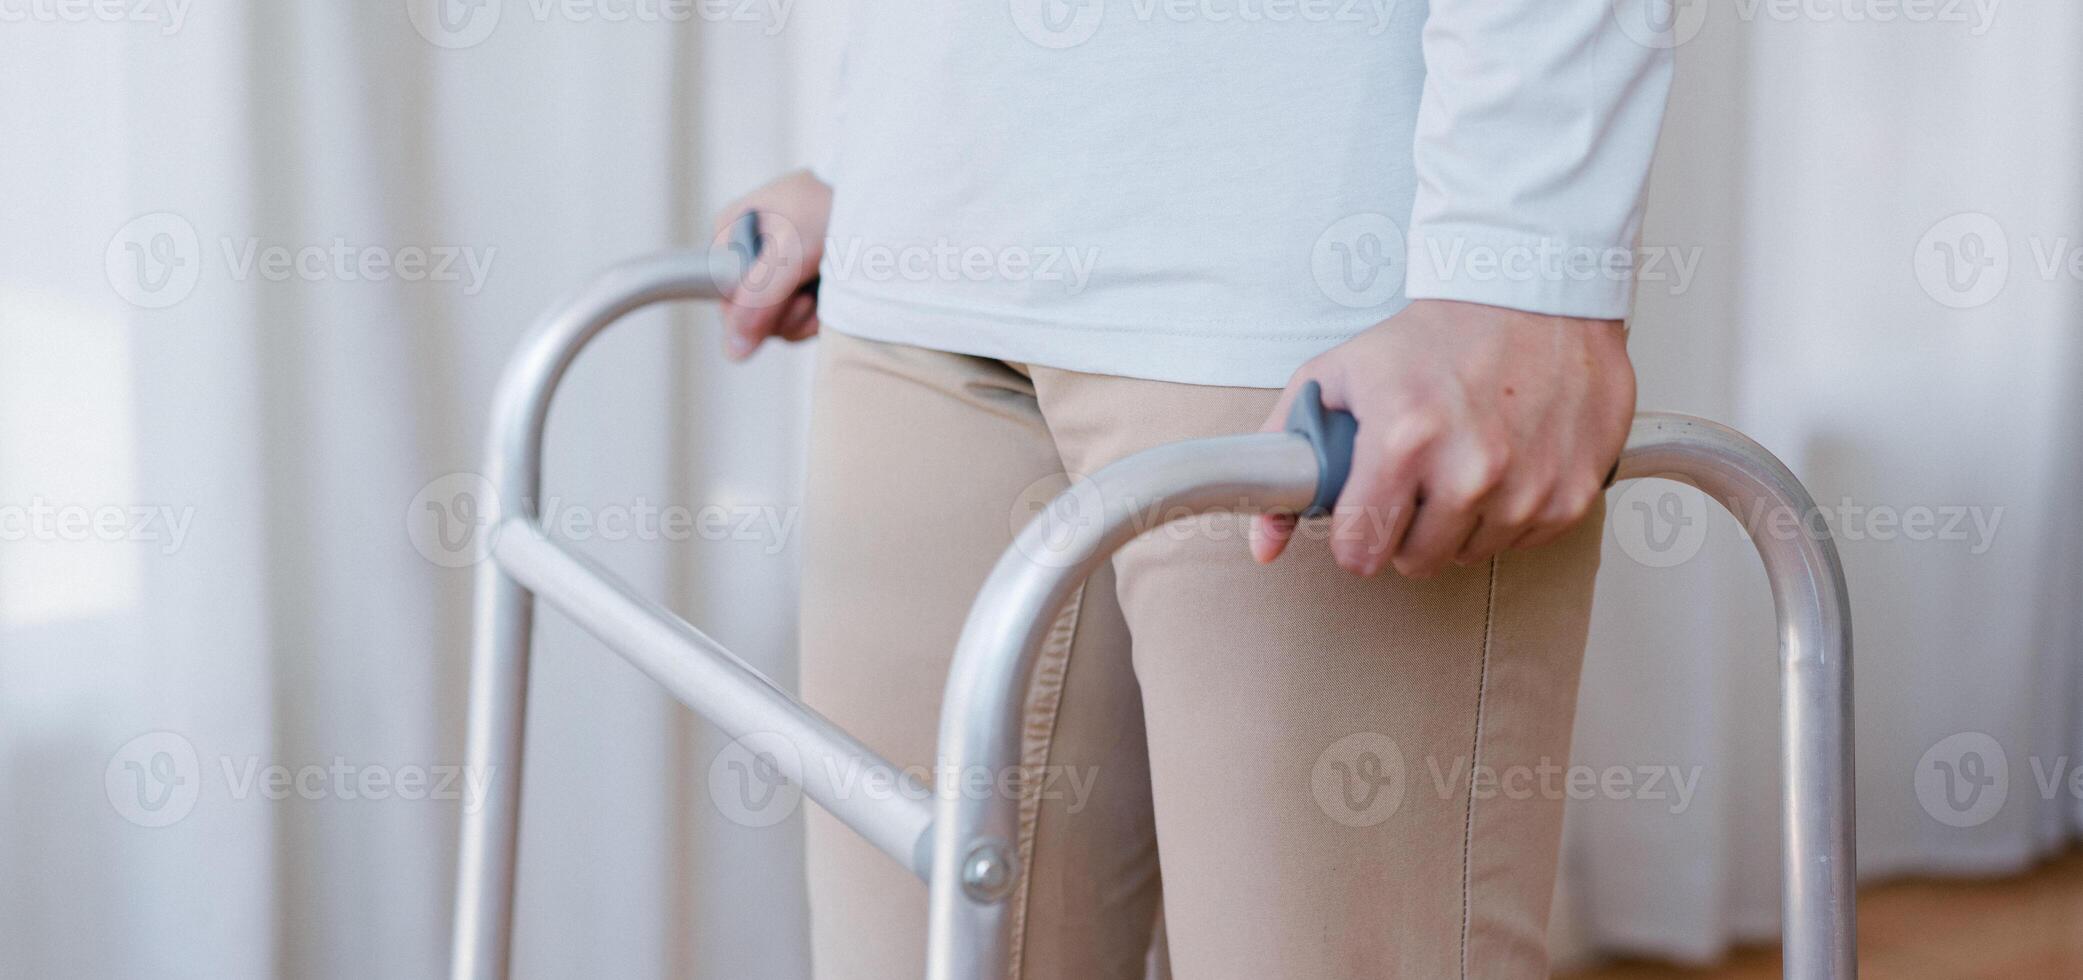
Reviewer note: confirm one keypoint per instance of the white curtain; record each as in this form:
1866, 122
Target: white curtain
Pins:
216, 569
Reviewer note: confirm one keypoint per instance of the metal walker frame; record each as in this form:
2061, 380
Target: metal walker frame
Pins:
960, 843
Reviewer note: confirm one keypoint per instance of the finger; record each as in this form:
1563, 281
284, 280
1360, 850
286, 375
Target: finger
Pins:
1505, 519
1379, 502
746, 326
759, 303
780, 267
1454, 490
799, 321
1270, 534
1562, 511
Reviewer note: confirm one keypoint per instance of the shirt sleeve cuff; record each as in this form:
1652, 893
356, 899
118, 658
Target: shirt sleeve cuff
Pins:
1550, 276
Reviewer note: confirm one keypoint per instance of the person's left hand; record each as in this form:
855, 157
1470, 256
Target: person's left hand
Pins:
1481, 429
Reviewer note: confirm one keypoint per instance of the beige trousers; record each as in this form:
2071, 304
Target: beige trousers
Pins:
1339, 777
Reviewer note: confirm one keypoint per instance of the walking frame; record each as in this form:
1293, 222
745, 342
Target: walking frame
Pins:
961, 843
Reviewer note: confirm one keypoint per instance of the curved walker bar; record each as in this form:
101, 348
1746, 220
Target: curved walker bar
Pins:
962, 843
523, 564
973, 863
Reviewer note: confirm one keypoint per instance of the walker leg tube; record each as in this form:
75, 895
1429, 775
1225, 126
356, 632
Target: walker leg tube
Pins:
1818, 863
498, 712
499, 658
1816, 902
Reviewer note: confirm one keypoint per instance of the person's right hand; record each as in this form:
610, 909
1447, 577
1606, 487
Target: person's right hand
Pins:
777, 296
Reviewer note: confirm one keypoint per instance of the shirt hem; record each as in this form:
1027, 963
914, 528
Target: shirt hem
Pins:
1153, 355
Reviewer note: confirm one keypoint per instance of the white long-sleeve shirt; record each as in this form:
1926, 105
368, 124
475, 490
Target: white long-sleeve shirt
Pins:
1214, 191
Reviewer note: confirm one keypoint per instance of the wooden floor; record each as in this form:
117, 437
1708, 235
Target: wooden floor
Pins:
2022, 928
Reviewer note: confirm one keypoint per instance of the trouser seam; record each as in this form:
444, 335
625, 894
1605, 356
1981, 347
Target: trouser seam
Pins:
1475, 759
1037, 737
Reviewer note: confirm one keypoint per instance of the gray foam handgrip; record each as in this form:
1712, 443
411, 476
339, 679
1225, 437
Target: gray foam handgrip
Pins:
1330, 432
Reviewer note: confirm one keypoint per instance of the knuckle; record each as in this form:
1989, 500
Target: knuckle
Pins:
1458, 498
1572, 503
1460, 494
1411, 433
1492, 462
1518, 511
